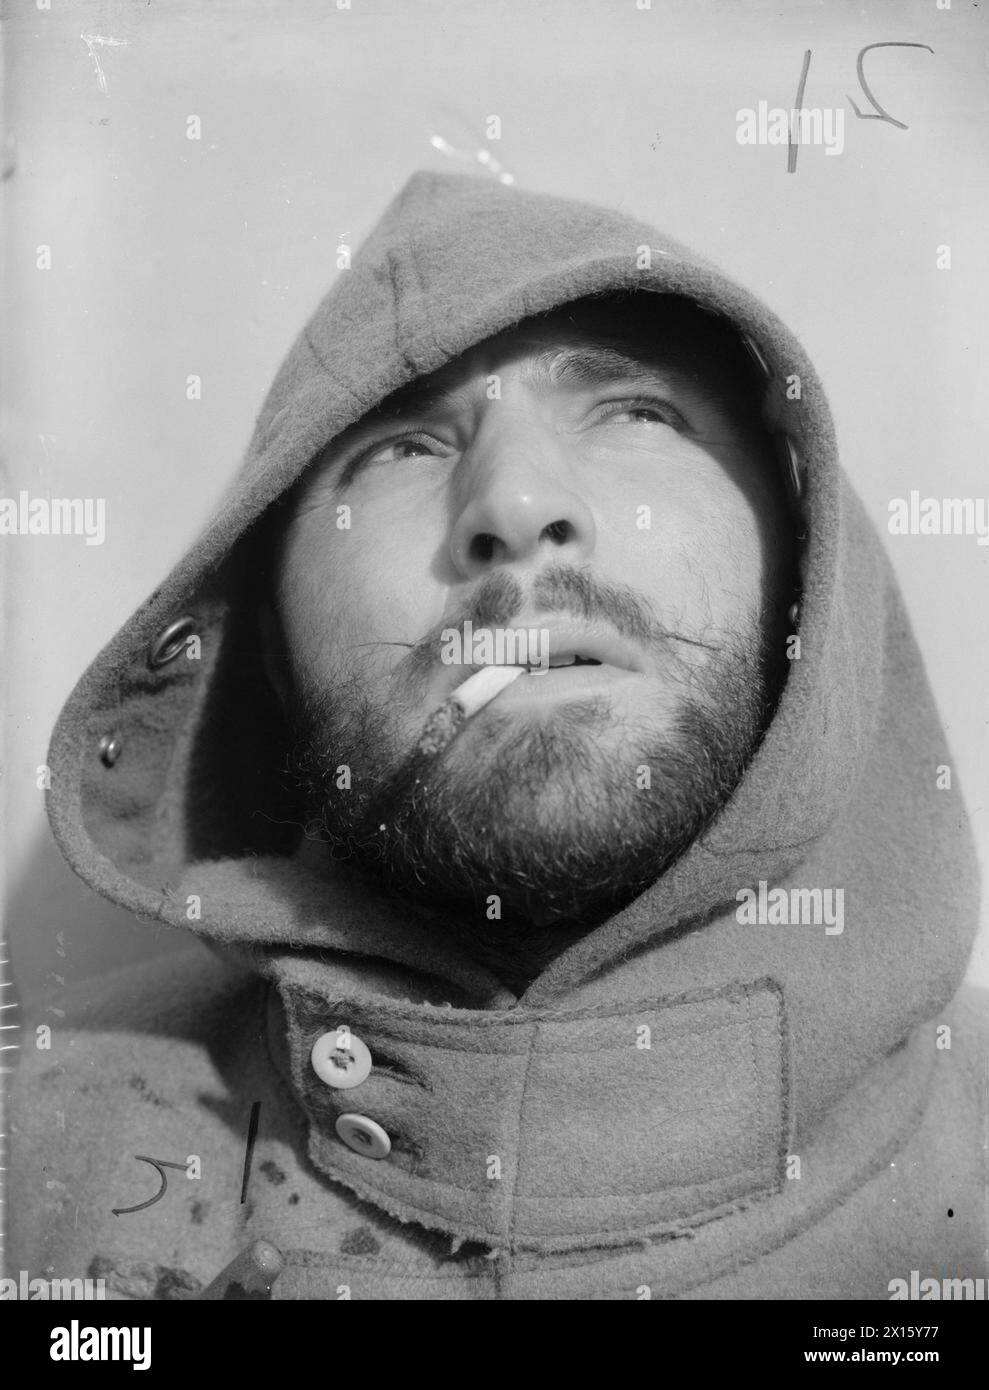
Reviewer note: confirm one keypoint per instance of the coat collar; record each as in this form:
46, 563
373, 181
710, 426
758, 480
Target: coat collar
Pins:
626, 1110
547, 1130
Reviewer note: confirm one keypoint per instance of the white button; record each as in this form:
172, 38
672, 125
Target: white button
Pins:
363, 1136
341, 1059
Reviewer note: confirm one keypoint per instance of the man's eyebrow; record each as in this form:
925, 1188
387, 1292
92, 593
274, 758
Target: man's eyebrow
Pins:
591, 365
597, 365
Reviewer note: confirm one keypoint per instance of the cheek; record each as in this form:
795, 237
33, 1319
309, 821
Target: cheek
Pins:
734, 568
339, 589
728, 556
690, 543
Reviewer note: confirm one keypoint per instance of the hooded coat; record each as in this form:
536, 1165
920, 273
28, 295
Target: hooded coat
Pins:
681, 1105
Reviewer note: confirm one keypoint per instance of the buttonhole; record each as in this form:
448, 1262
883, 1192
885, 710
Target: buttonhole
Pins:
394, 1069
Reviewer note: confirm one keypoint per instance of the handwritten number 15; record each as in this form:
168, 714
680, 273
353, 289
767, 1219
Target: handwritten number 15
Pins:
878, 112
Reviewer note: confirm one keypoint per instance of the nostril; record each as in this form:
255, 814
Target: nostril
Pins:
482, 547
557, 531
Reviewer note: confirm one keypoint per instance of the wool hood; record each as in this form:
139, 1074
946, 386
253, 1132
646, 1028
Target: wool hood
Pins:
164, 793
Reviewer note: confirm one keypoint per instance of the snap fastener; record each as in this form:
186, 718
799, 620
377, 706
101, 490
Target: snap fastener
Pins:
170, 641
341, 1059
111, 746
364, 1136
757, 355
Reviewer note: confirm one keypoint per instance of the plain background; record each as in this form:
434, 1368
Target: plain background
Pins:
173, 257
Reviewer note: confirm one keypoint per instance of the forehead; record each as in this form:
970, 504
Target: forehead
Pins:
593, 342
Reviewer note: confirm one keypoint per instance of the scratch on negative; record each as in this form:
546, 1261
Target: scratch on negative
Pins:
95, 41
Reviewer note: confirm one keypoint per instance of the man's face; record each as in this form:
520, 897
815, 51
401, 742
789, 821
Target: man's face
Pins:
595, 475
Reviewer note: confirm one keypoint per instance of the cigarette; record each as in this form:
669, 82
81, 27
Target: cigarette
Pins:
478, 690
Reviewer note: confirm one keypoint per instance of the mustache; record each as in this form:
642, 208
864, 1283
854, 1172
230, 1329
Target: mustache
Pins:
558, 591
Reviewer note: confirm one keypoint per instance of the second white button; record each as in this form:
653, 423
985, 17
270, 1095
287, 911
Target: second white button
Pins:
364, 1136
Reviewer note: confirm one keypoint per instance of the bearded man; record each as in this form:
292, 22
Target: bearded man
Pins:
640, 973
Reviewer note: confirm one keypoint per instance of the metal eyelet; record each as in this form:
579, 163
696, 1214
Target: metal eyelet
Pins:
111, 746
757, 355
170, 641
791, 465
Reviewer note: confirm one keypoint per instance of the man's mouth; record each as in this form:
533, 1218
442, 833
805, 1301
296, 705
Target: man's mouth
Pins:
567, 661
539, 649
575, 674
575, 660
527, 665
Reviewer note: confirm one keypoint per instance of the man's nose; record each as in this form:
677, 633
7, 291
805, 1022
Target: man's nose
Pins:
518, 507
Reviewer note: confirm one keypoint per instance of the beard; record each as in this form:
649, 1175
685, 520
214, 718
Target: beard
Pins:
528, 831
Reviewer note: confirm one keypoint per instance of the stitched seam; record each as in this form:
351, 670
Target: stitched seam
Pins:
299, 1259
610, 1240
438, 1183
751, 1170
483, 1019
785, 1088
325, 368
679, 1188
739, 1024
513, 1209
779, 1063
758, 1084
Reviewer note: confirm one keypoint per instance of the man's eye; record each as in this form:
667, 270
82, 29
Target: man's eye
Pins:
398, 450
641, 412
